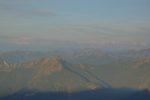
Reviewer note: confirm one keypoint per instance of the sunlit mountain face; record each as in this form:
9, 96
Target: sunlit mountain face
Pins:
74, 50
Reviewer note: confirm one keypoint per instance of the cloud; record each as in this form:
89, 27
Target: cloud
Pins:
42, 12
123, 28
22, 40
15, 10
32, 12
11, 39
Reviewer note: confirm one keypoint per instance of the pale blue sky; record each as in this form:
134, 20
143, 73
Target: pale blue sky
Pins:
97, 21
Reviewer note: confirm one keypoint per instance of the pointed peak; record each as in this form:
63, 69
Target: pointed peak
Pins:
51, 60
50, 65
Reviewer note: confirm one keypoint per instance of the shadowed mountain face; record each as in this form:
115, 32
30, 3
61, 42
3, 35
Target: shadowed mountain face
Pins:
102, 94
72, 72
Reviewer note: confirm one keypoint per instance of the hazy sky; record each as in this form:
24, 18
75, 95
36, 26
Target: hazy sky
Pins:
32, 22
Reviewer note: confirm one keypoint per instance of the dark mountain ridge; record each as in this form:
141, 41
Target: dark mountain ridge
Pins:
102, 94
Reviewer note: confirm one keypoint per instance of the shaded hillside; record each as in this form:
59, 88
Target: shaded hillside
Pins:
102, 94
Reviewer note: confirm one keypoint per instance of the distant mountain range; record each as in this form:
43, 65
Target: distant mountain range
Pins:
75, 71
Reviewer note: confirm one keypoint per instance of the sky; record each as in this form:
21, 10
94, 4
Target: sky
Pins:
26, 23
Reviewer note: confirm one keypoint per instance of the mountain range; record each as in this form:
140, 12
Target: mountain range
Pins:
75, 71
